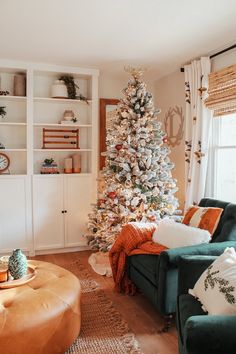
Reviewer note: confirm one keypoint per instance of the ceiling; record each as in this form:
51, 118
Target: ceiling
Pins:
108, 34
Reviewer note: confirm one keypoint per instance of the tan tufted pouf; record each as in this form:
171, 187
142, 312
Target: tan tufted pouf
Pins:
43, 316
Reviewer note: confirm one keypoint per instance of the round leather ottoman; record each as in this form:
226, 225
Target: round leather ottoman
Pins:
43, 316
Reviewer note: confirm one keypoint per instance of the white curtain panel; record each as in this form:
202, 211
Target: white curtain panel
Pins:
198, 124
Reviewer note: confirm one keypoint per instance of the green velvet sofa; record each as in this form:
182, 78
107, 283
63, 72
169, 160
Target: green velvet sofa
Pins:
157, 275
199, 333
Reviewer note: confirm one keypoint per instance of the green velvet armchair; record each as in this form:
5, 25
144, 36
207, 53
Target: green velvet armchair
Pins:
157, 275
199, 333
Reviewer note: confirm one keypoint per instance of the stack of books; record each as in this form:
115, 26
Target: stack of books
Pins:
51, 168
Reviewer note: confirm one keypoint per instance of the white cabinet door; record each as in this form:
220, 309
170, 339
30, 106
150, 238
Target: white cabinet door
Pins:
77, 204
48, 220
13, 214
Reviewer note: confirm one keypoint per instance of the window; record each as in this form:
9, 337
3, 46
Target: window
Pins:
224, 149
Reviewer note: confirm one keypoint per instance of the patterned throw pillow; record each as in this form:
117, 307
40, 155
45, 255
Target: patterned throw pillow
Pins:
216, 287
203, 218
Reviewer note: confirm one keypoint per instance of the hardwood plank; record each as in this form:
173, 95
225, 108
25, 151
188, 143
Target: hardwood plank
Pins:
143, 319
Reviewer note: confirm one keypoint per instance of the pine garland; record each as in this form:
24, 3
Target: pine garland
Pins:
71, 88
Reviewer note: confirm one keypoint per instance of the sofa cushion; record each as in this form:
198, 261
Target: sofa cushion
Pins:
206, 218
174, 234
147, 264
209, 202
216, 287
187, 306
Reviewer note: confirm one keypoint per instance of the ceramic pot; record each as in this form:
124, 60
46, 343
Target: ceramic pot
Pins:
17, 264
76, 163
59, 89
68, 115
68, 163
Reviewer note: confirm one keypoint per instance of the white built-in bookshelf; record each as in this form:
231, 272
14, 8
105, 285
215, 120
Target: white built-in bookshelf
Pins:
21, 132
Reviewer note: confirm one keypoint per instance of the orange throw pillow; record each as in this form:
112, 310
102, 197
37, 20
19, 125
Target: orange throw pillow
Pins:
203, 218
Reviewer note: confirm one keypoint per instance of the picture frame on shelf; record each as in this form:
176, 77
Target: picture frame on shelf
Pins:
107, 109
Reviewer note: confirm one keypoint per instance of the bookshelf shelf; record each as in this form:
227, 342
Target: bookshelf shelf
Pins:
23, 188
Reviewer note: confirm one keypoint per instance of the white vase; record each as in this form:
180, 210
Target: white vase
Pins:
59, 89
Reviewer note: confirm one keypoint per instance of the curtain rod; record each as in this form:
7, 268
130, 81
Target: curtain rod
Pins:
216, 54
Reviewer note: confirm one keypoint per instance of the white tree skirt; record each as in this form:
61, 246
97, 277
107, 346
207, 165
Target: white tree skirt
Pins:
100, 263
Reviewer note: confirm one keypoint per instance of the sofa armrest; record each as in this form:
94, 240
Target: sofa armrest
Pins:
190, 269
210, 334
171, 256
167, 276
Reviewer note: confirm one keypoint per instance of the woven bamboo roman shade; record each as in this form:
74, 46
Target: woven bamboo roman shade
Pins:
222, 91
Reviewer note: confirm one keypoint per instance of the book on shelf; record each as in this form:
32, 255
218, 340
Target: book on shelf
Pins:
49, 168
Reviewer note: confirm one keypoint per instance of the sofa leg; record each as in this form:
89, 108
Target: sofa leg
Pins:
167, 324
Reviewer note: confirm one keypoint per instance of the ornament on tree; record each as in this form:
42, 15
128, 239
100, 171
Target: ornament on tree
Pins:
118, 147
101, 201
112, 195
137, 175
165, 140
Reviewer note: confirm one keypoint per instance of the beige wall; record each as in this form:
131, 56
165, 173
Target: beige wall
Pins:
110, 86
169, 92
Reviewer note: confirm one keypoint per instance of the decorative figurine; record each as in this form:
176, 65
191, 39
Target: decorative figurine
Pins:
17, 264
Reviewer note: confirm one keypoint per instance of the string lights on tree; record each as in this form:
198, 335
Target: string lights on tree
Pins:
138, 180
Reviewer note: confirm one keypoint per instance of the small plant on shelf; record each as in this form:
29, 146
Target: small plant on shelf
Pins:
49, 161
71, 88
3, 111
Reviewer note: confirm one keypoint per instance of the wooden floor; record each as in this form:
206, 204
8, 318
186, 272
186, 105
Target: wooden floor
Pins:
143, 319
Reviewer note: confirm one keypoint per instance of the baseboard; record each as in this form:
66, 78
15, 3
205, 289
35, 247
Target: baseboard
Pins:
62, 250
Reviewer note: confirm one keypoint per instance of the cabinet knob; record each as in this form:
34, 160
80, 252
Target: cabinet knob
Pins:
63, 211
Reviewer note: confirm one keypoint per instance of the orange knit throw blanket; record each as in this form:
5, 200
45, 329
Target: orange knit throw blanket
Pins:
134, 238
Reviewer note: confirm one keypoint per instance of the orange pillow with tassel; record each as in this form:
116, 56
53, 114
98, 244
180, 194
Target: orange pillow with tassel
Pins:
203, 218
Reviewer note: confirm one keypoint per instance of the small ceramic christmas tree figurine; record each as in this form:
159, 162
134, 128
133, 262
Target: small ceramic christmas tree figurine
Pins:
17, 264
138, 181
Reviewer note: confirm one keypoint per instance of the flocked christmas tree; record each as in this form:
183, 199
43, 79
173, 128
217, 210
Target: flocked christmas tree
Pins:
137, 174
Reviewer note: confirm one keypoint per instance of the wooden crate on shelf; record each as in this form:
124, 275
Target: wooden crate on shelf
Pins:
60, 138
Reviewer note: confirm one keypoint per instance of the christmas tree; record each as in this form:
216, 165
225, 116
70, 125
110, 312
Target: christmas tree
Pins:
137, 174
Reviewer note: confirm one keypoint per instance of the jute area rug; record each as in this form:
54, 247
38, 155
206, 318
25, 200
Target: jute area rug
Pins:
103, 330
